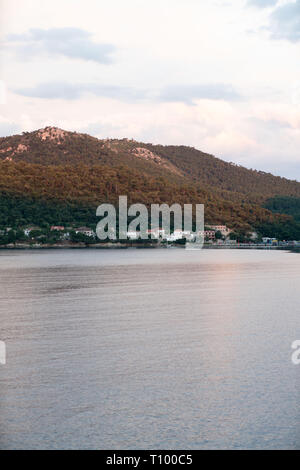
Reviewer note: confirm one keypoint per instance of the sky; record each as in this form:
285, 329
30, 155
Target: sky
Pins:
219, 75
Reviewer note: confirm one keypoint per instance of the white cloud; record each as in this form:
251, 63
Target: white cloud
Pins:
188, 94
74, 43
74, 91
262, 3
285, 22
145, 70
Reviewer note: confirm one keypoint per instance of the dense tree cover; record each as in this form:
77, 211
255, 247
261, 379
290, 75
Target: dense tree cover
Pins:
287, 231
19, 211
285, 205
234, 182
76, 149
63, 192
180, 164
61, 180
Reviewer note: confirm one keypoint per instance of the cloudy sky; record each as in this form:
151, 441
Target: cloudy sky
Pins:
219, 75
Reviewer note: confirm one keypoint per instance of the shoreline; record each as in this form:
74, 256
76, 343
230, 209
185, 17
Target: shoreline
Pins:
122, 246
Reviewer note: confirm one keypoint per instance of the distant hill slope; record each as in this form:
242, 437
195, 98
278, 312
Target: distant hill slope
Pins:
284, 205
227, 177
55, 165
53, 146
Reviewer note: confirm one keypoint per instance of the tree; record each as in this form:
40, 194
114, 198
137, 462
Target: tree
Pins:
11, 236
218, 235
20, 235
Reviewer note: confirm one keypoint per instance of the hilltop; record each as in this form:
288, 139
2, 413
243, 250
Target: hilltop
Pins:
52, 166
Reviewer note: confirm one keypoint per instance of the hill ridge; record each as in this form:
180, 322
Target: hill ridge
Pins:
54, 164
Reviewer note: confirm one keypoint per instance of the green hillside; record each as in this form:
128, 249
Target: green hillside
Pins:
74, 173
284, 205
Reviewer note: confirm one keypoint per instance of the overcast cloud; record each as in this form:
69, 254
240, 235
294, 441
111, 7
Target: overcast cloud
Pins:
189, 94
285, 22
74, 43
221, 76
262, 3
73, 91
185, 94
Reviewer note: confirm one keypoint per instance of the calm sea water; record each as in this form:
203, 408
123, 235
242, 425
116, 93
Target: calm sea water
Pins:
155, 349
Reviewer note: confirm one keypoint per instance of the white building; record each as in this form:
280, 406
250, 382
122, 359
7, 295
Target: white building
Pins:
85, 231
28, 230
188, 235
210, 234
65, 236
154, 233
225, 231
133, 235
253, 235
269, 241
178, 234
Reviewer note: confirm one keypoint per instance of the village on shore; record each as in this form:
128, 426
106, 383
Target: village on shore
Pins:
59, 236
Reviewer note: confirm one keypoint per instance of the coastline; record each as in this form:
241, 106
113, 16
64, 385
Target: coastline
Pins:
124, 246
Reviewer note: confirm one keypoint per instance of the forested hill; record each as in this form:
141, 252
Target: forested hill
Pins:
214, 172
51, 167
53, 146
